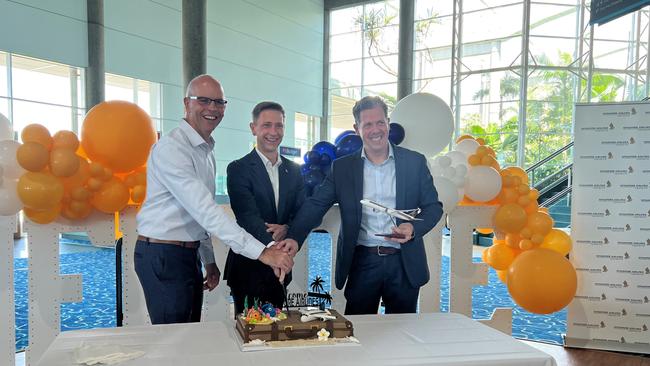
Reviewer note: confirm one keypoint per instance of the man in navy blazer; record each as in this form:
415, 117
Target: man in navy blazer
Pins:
376, 267
266, 190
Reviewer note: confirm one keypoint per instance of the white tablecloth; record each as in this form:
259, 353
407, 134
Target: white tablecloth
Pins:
404, 339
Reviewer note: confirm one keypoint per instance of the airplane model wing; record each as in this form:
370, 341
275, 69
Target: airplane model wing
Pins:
406, 215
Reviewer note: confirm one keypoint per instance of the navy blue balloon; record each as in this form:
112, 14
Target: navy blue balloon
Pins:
342, 135
304, 169
325, 148
312, 157
326, 159
313, 178
348, 145
314, 167
396, 133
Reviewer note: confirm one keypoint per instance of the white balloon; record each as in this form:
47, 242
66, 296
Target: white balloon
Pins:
444, 161
459, 181
457, 158
483, 183
467, 146
449, 172
461, 170
447, 193
8, 159
437, 171
427, 121
10, 204
6, 133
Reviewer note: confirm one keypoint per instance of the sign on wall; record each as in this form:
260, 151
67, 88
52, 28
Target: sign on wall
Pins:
610, 217
603, 11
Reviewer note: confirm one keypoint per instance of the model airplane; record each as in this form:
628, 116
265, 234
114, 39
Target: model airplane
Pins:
406, 215
315, 314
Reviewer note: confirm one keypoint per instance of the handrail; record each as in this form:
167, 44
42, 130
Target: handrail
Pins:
548, 158
553, 177
558, 196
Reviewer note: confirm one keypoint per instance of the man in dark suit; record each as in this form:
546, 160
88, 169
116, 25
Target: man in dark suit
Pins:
266, 190
376, 267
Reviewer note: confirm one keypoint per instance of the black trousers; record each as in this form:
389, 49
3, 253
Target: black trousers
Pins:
172, 281
266, 290
374, 277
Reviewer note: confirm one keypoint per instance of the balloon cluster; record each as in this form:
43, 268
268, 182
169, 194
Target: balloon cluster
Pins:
528, 253
319, 159
58, 175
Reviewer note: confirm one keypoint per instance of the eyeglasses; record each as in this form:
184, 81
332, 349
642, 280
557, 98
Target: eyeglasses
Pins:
205, 101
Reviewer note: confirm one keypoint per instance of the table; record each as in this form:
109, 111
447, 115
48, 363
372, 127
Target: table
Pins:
398, 339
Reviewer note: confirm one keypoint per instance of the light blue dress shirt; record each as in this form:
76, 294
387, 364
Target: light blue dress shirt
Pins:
378, 186
180, 203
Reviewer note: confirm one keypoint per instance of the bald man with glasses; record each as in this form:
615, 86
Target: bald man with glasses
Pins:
180, 214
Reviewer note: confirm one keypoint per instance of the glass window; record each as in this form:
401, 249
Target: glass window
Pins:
346, 46
426, 9
55, 118
40, 81
3, 75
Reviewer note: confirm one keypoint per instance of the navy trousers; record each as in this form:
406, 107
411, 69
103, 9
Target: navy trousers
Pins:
172, 281
374, 277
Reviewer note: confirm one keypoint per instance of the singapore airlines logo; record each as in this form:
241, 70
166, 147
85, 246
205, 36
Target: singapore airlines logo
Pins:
623, 312
633, 111
608, 184
645, 328
607, 213
630, 169
602, 324
632, 140
603, 297
605, 240
629, 198
611, 126
625, 284
626, 256
605, 268
627, 227
622, 339
647, 270
610, 155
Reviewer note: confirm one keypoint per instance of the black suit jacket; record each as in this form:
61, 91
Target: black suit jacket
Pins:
344, 185
253, 202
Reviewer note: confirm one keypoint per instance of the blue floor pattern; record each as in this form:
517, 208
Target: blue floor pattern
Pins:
97, 310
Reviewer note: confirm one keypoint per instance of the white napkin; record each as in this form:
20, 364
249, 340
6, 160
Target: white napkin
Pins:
105, 354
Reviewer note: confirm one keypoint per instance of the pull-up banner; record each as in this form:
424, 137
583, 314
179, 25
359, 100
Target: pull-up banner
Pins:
610, 228
603, 11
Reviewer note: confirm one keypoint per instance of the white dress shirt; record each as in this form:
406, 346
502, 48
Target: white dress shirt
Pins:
180, 203
272, 171
378, 186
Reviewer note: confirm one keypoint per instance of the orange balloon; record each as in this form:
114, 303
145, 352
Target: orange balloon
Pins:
474, 160
96, 169
484, 255
464, 137
541, 281
500, 256
508, 195
526, 244
42, 216
79, 178
39, 191
533, 194
557, 240
118, 135
481, 151
491, 152
65, 140
526, 233
531, 207
537, 239
502, 275
38, 134
508, 180
94, 184
509, 218
480, 140
540, 222
32, 156
543, 209
80, 194
512, 240
485, 231
112, 196
64, 162
68, 213
518, 172
138, 193
523, 201
488, 160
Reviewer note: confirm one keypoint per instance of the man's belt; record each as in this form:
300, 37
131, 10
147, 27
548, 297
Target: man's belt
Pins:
379, 250
184, 244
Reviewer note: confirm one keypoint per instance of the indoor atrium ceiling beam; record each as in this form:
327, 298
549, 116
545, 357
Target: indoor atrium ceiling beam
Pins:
94, 77
194, 39
405, 53
324, 123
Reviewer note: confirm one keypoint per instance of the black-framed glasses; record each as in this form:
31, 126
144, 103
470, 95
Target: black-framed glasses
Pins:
205, 101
